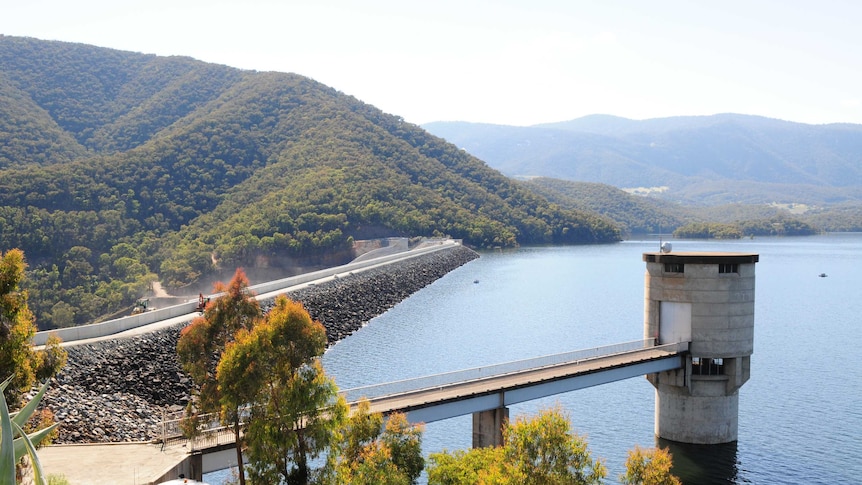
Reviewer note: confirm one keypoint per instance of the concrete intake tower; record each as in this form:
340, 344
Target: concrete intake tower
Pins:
706, 298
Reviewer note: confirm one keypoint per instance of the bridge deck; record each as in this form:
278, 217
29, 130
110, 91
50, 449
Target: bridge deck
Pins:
432, 398
464, 397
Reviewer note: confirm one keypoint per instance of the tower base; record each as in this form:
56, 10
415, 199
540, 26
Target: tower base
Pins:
697, 419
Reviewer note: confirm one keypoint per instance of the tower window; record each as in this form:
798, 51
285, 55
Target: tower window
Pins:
674, 268
707, 367
728, 268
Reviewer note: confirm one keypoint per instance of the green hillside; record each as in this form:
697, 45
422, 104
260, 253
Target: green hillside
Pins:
639, 215
633, 214
119, 168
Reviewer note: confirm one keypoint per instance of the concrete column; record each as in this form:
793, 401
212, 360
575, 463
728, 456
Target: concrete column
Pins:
488, 427
708, 416
191, 468
196, 466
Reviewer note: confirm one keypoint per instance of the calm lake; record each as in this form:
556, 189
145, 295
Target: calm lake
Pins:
800, 413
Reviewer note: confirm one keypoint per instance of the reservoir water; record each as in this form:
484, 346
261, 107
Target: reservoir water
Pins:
800, 415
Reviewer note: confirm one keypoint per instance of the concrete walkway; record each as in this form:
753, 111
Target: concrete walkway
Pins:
112, 463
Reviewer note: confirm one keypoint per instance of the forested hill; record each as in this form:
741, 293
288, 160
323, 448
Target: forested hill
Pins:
117, 168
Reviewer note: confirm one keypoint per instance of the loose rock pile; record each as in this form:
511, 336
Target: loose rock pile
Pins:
118, 390
346, 304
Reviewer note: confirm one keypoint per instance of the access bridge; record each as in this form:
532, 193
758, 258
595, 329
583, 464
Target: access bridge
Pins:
485, 392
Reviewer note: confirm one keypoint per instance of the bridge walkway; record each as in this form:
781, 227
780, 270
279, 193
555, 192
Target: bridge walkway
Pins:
441, 396
444, 396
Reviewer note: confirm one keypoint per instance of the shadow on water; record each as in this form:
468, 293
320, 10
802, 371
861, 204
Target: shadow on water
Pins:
703, 464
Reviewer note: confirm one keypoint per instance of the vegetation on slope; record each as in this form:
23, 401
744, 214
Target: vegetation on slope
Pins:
644, 215
136, 167
634, 214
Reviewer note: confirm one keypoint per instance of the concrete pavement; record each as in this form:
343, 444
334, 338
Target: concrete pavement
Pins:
113, 463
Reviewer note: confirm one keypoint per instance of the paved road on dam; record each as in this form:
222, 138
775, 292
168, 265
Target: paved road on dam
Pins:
183, 313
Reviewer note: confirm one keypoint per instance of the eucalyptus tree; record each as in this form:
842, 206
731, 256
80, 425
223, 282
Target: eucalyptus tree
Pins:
293, 408
202, 343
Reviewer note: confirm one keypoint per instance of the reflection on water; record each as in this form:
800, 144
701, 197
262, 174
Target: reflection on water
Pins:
703, 464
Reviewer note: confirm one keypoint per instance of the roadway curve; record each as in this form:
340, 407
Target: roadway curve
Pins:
116, 389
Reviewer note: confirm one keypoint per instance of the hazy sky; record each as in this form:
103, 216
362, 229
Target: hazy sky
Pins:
507, 62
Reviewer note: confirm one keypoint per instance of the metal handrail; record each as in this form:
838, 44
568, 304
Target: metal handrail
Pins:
496, 370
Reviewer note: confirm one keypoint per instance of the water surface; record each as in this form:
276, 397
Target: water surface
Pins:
800, 414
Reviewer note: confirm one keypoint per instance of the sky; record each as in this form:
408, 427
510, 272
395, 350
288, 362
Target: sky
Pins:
505, 62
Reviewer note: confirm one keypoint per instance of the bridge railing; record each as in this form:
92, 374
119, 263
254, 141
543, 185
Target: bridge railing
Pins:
477, 373
211, 432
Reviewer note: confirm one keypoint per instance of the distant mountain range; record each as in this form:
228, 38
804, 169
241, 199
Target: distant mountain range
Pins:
720, 159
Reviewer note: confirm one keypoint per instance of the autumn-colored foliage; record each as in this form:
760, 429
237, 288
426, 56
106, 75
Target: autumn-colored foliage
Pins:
366, 452
540, 450
202, 343
17, 328
650, 466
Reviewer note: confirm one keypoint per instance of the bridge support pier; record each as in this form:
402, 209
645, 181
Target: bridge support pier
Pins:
488, 427
190, 468
196, 466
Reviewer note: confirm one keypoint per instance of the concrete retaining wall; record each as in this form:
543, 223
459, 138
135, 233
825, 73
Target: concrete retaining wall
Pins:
111, 327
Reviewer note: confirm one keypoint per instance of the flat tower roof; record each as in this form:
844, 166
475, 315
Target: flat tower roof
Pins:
701, 257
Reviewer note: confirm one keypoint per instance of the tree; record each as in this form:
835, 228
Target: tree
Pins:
366, 452
405, 443
478, 465
538, 450
202, 343
294, 409
649, 466
17, 328
544, 450
52, 358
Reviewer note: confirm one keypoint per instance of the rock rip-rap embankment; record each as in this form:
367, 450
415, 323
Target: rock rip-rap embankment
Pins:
117, 390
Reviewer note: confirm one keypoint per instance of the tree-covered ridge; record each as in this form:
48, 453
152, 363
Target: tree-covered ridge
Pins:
106, 98
29, 133
134, 167
776, 226
634, 214
644, 215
